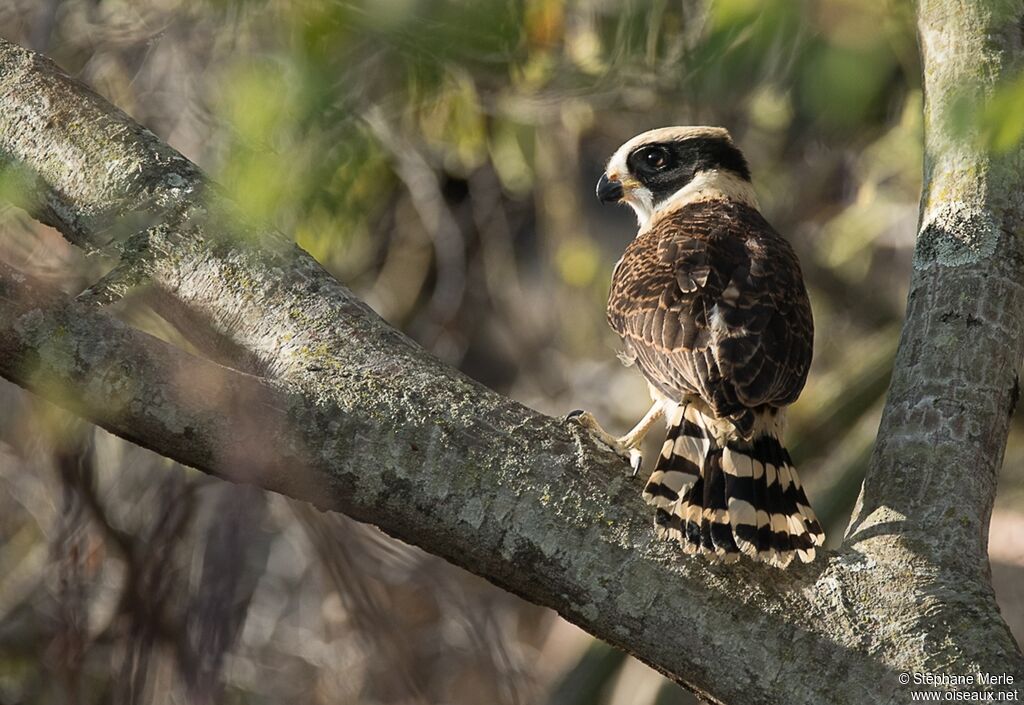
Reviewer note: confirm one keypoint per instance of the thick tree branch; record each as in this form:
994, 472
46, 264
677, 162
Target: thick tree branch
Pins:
955, 385
372, 426
155, 395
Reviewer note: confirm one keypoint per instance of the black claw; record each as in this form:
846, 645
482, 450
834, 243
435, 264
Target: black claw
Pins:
573, 414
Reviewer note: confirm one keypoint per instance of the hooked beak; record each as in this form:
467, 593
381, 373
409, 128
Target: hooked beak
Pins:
609, 190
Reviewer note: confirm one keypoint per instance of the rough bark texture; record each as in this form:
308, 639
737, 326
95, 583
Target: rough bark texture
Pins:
360, 420
955, 382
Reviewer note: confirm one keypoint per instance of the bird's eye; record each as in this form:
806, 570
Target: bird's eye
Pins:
656, 158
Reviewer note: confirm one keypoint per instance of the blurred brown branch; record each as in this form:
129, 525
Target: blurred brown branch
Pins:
352, 416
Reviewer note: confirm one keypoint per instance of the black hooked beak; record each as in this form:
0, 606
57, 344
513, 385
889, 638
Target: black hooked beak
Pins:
609, 190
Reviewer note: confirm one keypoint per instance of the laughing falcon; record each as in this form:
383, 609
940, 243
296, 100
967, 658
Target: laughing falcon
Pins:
711, 306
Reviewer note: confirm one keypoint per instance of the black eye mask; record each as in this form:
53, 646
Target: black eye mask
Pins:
666, 167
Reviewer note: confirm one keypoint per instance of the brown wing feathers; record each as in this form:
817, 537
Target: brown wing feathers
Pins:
711, 303
712, 300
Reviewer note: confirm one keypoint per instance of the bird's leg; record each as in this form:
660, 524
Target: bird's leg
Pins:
635, 437
627, 446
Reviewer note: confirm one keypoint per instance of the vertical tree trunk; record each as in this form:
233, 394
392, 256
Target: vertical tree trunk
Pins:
954, 388
932, 482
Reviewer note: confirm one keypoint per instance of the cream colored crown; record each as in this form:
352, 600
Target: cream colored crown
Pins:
676, 133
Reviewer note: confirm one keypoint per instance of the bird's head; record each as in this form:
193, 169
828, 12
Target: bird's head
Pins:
674, 165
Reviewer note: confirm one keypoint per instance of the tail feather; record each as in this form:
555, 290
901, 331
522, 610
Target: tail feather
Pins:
716, 513
679, 463
741, 499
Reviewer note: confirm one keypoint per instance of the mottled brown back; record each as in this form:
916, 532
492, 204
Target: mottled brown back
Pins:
710, 301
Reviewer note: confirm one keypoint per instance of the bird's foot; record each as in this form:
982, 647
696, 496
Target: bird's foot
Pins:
624, 446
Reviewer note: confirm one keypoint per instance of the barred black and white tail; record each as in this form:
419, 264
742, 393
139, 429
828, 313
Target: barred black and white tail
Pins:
743, 498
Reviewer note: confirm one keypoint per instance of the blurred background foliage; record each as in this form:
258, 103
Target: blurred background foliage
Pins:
439, 156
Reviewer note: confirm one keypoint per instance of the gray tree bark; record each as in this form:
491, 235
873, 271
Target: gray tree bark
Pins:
324, 402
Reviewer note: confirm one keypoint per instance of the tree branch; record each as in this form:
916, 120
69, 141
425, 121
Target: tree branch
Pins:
157, 396
357, 418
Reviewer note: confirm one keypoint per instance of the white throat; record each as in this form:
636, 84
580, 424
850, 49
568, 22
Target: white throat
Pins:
705, 186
